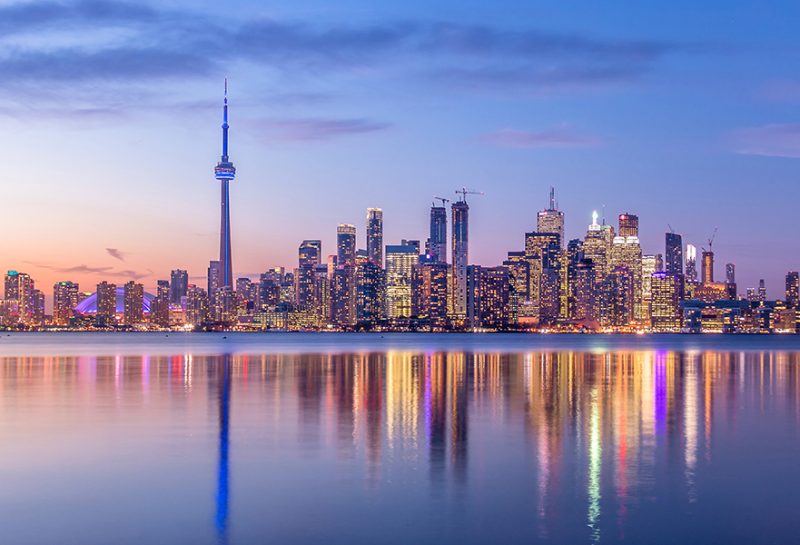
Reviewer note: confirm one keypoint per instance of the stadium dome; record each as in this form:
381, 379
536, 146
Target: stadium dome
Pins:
89, 305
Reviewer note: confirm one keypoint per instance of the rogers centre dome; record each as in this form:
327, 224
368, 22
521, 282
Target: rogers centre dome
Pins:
89, 305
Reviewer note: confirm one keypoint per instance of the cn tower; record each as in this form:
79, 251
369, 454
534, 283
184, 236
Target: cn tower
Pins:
225, 172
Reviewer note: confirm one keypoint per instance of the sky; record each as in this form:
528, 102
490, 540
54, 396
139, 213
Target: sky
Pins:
686, 113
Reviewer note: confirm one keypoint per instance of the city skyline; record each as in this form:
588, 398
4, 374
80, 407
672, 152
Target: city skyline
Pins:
647, 124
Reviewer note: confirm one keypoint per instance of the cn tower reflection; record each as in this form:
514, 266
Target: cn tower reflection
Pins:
223, 370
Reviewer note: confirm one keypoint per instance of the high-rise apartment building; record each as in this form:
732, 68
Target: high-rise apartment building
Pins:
19, 288
650, 264
214, 279
345, 244
133, 303
429, 293
708, 267
375, 236
460, 218
65, 299
370, 292
792, 289
106, 304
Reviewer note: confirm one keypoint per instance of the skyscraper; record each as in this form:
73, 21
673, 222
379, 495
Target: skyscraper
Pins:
225, 173
309, 256
133, 303
400, 261
762, 290
551, 220
65, 299
691, 270
597, 247
792, 289
460, 218
437, 243
730, 273
214, 278
649, 267
345, 244
708, 267
19, 289
375, 236
673, 255
628, 225
178, 284
665, 310
106, 304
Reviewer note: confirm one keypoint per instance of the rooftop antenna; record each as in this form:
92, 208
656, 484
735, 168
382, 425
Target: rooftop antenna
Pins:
552, 198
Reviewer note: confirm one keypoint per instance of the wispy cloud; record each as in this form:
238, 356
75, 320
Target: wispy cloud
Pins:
306, 129
116, 253
776, 140
106, 272
551, 138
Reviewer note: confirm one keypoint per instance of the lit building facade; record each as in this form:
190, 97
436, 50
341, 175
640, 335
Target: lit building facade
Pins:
375, 236
400, 261
665, 310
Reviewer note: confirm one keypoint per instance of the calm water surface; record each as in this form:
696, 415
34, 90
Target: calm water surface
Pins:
400, 439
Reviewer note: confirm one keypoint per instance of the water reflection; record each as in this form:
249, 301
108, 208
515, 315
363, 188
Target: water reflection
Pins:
611, 430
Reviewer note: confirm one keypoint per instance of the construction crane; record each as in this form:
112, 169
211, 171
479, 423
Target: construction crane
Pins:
444, 201
464, 192
711, 240
671, 230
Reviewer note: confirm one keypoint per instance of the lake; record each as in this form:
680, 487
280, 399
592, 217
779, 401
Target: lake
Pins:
209, 438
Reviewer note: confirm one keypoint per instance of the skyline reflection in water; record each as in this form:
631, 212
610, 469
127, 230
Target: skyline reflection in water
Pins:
401, 447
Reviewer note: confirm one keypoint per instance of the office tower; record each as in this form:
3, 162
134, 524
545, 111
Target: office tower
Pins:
321, 302
730, 273
730, 280
551, 220
163, 289
429, 293
460, 218
159, 307
106, 304
597, 247
584, 292
19, 288
223, 307
667, 294
400, 261
411, 242
133, 303
65, 299
792, 289
488, 297
375, 236
345, 244
673, 255
708, 267
196, 306
247, 295
628, 225
541, 253
370, 293
571, 258
626, 252
214, 278
690, 280
519, 278
38, 308
617, 298
309, 256
762, 291
225, 173
437, 242
343, 297
178, 284
649, 266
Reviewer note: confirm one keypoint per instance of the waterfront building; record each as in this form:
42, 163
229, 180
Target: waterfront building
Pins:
690, 280
345, 244
429, 293
584, 292
19, 297
196, 305
65, 299
665, 308
375, 235
762, 291
597, 247
708, 267
106, 304
133, 303
343, 297
214, 278
626, 252
400, 260
650, 264
617, 301
370, 293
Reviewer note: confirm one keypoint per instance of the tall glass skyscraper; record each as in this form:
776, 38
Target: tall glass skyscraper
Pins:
673, 255
346, 244
460, 215
437, 243
375, 236
551, 220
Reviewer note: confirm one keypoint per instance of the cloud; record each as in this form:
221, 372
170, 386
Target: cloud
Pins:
107, 272
118, 47
116, 254
776, 140
309, 129
552, 138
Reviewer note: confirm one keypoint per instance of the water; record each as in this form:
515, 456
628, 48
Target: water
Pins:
335, 438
